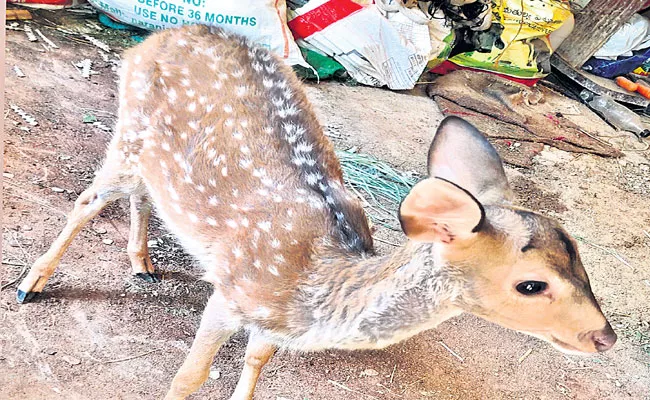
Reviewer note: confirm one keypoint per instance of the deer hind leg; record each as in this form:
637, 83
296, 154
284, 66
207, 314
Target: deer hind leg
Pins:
214, 330
112, 182
137, 248
258, 353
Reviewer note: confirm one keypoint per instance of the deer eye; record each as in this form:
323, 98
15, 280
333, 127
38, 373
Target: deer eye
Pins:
531, 287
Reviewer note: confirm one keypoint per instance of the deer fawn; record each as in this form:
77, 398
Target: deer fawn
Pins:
219, 135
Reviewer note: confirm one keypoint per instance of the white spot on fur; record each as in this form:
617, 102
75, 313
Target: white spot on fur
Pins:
272, 269
237, 135
212, 182
171, 95
193, 217
288, 226
262, 312
227, 108
237, 252
172, 193
232, 223
211, 221
190, 93
313, 178
245, 163
304, 147
191, 107
275, 243
257, 264
224, 171
213, 201
245, 223
165, 146
264, 225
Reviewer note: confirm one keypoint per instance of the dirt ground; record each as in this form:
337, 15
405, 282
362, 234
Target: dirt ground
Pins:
96, 333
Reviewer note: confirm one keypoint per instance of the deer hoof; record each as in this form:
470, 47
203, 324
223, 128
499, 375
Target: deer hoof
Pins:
25, 297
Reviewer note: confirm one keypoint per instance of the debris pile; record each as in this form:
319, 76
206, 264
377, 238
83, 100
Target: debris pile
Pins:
488, 57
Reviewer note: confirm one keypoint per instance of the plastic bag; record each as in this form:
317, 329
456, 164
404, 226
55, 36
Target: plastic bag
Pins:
47, 4
633, 35
361, 39
614, 68
263, 22
523, 50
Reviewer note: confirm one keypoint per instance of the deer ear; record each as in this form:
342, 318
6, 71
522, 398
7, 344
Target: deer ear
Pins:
459, 153
437, 210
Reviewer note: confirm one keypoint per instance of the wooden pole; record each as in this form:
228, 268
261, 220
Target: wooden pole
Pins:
594, 25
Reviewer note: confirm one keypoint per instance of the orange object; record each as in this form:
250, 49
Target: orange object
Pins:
644, 91
17, 14
627, 84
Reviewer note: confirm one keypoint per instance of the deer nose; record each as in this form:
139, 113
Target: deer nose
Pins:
603, 338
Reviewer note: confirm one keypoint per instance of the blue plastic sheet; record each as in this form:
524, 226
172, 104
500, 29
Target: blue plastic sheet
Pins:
620, 66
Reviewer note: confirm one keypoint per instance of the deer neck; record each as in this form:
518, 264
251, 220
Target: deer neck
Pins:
377, 301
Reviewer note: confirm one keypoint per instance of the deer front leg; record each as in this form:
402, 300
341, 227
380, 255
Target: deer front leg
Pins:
212, 333
90, 202
137, 248
258, 353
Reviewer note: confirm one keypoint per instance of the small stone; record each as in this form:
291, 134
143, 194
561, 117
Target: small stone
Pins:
215, 374
65, 157
369, 372
100, 231
27, 228
107, 241
57, 190
49, 351
7, 175
152, 243
71, 360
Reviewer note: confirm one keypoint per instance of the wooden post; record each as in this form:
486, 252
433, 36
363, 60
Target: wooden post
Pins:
594, 25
